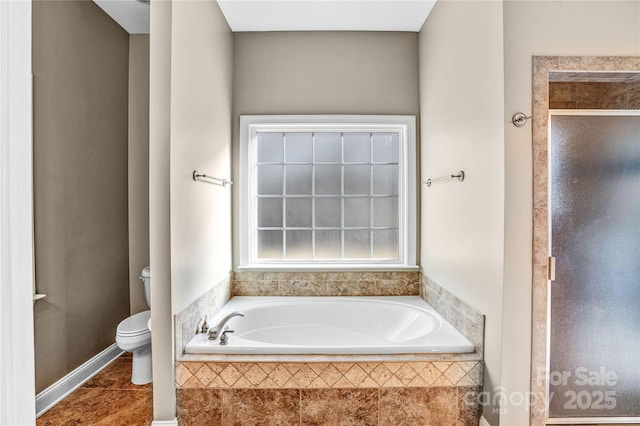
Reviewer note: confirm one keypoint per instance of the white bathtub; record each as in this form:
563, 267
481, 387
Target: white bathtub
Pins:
332, 325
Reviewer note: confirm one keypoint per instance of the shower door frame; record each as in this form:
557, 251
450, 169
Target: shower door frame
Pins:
542, 67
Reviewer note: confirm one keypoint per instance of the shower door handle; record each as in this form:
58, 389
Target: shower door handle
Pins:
551, 267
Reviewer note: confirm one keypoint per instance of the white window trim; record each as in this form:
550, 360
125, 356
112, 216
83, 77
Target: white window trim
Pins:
404, 125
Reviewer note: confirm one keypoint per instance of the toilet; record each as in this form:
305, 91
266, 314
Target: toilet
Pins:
134, 335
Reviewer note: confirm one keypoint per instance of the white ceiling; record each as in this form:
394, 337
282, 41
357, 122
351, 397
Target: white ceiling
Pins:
132, 15
293, 15
326, 15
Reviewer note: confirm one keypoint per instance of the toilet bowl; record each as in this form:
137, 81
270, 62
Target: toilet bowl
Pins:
133, 335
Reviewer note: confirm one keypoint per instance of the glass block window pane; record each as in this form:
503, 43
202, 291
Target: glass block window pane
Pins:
328, 244
270, 180
270, 244
327, 196
356, 244
328, 212
356, 212
328, 147
385, 147
357, 147
328, 179
270, 212
385, 212
298, 147
298, 180
385, 179
298, 244
385, 243
356, 180
298, 212
270, 147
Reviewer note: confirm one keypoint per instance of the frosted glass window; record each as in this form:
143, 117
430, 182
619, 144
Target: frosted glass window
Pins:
326, 194
332, 196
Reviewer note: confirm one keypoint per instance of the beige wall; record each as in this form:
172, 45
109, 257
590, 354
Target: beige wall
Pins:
323, 73
190, 128
80, 67
138, 167
548, 28
461, 94
201, 83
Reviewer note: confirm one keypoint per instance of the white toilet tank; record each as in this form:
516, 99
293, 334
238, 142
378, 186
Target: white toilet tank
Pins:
145, 276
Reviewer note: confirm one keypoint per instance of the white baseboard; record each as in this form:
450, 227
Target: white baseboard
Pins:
55, 393
173, 422
483, 422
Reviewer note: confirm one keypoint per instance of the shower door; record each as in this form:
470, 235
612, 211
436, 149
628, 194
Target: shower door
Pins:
594, 326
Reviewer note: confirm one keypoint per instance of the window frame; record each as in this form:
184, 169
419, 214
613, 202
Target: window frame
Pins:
404, 125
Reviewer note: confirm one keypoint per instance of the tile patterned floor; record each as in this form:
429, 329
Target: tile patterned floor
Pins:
109, 398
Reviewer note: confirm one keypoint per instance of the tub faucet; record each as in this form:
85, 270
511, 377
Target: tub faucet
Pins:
215, 330
224, 337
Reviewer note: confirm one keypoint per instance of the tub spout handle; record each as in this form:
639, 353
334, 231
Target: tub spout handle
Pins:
215, 330
224, 338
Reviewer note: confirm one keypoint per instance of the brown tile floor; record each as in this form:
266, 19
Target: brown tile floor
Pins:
109, 398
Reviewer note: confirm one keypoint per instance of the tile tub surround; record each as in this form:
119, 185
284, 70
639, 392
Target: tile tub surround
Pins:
207, 304
353, 407
349, 389
326, 283
460, 314
354, 393
327, 375
464, 317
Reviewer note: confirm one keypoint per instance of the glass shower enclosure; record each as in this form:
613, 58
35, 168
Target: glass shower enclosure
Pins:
594, 324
